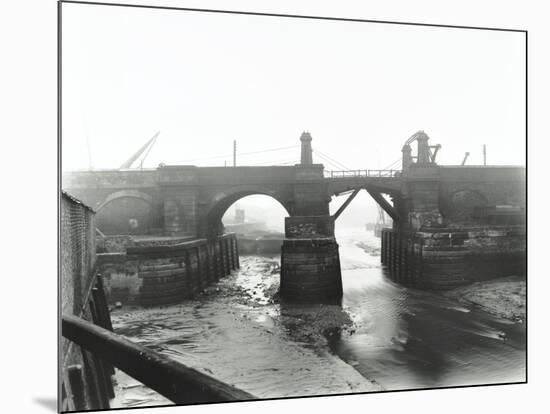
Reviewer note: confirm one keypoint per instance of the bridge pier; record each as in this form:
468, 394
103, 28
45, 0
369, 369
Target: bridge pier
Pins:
310, 261
456, 226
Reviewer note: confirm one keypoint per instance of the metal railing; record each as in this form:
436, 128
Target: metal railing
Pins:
362, 173
177, 382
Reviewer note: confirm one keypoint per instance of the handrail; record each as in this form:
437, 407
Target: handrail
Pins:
175, 381
362, 173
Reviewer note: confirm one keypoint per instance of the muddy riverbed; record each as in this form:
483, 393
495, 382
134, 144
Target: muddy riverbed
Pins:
384, 337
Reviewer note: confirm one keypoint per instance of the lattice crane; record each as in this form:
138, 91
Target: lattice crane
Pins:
146, 148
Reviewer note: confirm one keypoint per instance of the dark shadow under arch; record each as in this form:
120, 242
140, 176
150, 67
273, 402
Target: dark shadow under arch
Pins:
125, 212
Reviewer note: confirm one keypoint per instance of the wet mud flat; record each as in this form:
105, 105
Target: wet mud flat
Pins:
504, 297
238, 332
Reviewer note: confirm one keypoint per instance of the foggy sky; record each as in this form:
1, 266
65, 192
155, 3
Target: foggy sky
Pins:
360, 89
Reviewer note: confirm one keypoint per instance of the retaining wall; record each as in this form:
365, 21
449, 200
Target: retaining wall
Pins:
164, 274
447, 258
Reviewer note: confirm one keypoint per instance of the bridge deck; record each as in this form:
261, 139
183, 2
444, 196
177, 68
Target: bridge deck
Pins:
388, 181
362, 173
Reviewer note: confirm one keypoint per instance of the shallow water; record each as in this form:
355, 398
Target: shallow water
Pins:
406, 338
392, 337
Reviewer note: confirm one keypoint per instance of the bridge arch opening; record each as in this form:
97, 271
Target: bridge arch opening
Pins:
248, 211
362, 213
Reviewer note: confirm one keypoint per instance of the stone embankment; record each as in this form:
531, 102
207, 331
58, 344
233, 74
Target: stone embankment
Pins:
447, 258
160, 274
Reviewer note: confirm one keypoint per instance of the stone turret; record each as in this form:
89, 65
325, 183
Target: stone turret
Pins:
306, 154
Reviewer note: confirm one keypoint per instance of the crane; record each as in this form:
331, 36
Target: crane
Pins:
426, 153
147, 147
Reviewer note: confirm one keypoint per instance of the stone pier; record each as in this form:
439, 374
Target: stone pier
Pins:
310, 262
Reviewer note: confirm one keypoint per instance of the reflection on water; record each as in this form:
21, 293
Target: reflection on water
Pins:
407, 338
385, 337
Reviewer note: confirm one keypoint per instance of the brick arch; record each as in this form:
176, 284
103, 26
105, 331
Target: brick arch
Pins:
124, 194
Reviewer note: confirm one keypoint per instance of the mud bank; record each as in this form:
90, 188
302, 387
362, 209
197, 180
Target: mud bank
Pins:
503, 297
239, 333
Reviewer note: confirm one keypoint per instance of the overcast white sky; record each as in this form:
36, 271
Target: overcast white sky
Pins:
361, 89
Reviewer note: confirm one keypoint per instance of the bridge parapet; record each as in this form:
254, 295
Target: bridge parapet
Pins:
246, 175
177, 175
109, 179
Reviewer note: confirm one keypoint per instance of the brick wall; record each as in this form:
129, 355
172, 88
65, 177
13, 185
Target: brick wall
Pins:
77, 253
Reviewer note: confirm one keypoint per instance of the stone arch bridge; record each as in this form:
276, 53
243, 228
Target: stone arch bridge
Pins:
189, 201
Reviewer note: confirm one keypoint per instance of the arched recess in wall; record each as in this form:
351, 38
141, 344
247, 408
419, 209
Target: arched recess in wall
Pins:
125, 212
222, 203
465, 206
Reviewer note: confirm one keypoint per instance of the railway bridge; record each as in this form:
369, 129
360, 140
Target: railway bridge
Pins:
189, 201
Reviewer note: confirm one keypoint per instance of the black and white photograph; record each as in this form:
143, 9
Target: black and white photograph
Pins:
261, 206
274, 206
